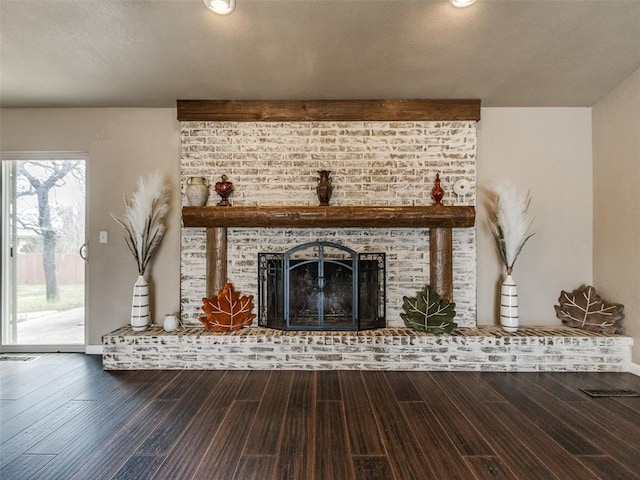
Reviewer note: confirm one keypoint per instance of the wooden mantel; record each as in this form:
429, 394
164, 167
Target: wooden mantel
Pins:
329, 217
327, 110
438, 219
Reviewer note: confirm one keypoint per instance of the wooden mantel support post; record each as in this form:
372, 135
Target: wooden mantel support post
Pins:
441, 262
216, 260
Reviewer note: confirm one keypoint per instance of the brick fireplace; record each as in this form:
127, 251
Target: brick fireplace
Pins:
373, 163
384, 156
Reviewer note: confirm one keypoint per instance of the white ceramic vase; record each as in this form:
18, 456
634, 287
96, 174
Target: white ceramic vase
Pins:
140, 312
509, 318
197, 191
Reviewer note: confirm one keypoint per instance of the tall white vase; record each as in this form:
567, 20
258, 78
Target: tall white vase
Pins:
509, 318
140, 312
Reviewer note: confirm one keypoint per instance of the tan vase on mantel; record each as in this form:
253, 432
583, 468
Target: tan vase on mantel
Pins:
197, 191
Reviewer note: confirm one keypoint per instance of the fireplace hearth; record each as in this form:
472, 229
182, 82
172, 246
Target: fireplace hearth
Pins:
321, 286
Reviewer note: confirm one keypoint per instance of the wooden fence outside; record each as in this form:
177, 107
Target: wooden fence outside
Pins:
69, 266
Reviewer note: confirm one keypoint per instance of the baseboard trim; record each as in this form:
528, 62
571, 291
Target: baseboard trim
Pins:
93, 350
634, 368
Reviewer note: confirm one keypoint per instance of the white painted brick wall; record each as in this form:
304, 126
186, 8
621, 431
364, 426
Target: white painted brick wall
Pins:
372, 163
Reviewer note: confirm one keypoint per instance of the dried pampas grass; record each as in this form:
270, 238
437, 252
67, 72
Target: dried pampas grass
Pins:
509, 216
144, 218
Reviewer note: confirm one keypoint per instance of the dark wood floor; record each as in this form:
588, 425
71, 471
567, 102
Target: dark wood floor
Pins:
63, 417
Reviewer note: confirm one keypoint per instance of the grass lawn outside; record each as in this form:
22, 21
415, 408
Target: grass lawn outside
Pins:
33, 298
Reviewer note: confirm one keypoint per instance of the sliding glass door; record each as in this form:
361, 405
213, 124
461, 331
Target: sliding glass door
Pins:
43, 257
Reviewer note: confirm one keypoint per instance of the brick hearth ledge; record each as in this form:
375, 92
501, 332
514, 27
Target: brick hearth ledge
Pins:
560, 349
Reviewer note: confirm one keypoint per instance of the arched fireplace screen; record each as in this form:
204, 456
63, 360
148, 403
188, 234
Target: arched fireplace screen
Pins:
321, 286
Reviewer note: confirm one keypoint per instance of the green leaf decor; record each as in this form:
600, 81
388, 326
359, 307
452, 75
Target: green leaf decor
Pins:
427, 313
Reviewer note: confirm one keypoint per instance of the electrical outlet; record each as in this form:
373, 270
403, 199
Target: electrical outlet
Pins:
103, 237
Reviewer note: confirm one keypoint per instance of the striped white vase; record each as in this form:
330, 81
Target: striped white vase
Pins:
509, 318
140, 314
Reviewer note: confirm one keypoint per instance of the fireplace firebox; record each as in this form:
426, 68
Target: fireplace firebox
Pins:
321, 286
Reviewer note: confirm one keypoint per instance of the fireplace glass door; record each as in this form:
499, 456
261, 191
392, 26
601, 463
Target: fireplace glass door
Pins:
321, 286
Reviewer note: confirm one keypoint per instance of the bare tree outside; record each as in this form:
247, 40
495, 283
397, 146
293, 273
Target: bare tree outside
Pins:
40, 180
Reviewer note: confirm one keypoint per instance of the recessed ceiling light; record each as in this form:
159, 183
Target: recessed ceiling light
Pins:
221, 7
461, 3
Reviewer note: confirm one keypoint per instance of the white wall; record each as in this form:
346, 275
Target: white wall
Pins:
122, 144
548, 151
616, 228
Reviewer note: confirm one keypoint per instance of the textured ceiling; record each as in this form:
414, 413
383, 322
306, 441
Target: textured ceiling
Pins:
125, 53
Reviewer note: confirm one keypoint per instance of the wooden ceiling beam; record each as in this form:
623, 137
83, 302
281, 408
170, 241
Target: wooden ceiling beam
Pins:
327, 110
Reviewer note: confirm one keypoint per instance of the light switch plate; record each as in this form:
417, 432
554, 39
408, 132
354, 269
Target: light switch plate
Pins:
104, 238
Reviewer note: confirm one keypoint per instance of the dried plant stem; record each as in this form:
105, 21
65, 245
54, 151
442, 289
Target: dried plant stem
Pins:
143, 221
509, 216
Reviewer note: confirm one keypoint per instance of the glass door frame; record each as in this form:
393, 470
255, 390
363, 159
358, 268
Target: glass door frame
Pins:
8, 272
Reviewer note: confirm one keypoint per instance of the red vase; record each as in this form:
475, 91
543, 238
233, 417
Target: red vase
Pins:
224, 189
437, 192
324, 187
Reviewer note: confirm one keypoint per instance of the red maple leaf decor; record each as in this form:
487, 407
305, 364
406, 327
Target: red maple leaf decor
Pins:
228, 311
